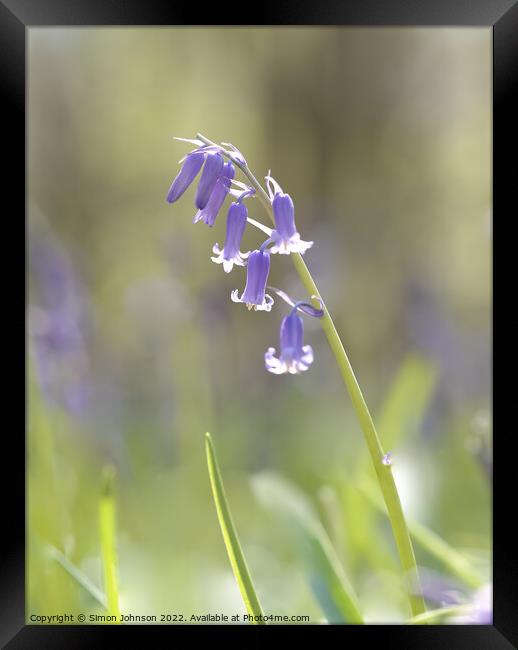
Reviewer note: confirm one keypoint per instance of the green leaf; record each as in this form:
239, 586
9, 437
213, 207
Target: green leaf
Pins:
400, 416
407, 400
107, 534
228, 530
326, 575
440, 615
77, 575
454, 561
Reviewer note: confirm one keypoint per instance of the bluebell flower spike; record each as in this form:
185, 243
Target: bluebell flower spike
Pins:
216, 183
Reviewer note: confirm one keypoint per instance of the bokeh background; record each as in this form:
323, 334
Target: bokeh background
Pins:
382, 137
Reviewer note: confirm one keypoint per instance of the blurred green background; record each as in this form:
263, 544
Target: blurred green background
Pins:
382, 138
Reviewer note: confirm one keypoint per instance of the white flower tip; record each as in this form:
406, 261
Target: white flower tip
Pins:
272, 363
267, 303
308, 357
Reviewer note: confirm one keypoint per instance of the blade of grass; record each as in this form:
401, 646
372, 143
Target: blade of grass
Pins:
438, 615
228, 530
46, 507
332, 516
408, 398
107, 533
450, 557
327, 578
459, 565
77, 575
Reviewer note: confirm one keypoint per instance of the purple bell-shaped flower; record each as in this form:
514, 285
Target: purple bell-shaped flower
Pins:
294, 357
190, 168
286, 237
209, 176
217, 197
236, 224
254, 295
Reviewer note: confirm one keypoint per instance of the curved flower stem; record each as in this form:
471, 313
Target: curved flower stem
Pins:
383, 472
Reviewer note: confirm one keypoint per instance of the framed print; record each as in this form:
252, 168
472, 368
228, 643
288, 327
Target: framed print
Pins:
258, 322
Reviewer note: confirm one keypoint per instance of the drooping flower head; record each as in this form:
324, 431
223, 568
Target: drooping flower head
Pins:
287, 239
236, 224
216, 182
294, 357
217, 196
258, 267
209, 176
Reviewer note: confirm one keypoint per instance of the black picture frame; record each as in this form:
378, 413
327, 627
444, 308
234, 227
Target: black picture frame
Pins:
16, 17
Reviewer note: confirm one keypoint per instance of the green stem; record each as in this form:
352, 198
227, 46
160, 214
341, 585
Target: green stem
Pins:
383, 472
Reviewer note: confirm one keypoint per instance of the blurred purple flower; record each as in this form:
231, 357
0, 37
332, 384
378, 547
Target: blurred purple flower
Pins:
483, 606
57, 325
479, 610
474, 608
439, 589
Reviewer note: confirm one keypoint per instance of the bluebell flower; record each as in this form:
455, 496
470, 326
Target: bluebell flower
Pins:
287, 239
254, 295
190, 168
236, 224
294, 357
217, 197
211, 171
